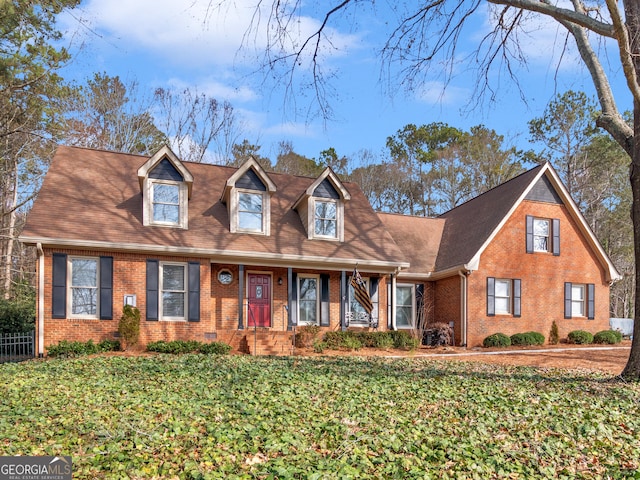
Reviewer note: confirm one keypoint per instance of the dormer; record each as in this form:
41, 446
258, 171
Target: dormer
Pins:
166, 185
321, 207
247, 195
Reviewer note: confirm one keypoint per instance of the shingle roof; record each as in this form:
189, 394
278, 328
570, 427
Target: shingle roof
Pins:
469, 226
93, 197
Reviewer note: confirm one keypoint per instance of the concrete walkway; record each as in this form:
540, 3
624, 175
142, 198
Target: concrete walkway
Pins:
469, 353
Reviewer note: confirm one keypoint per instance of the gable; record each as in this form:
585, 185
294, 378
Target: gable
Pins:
543, 191
251, 181
165, 170
326, 190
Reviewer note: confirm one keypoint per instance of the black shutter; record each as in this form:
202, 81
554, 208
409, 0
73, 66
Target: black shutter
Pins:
194, 292
491, 296
294, 299
420, 313
529, 234
325, 319
591, 301
152, 289
59, 291
373, 294
106, 288
567, 300
555, 230
517, 294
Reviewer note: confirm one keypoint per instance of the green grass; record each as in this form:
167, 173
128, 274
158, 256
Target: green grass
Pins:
195, 416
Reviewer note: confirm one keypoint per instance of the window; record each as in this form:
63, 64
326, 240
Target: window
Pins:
541, 232
405, 301
308, 300
357, 313
250, 212
173, 291
579, 300
326, 219
84, 287
504, 296
543, 235
166, 203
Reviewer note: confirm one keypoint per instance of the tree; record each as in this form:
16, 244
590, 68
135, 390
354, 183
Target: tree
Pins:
111, 115
240, 152
293, 163
426, 35
30, 114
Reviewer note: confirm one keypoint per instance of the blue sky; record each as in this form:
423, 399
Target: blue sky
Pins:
179, 43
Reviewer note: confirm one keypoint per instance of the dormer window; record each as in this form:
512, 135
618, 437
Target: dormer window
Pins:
326, 218
321, 207
166, 187
250, 211
247, 195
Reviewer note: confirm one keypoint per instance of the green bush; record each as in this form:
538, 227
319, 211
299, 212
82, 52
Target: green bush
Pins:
497, 340
608, 337
215, 348
129, 326
580, 337
65, 348
382, 340
319, 346
404, 340
352, 343
17, 316
527, 338
554, 336
174, 346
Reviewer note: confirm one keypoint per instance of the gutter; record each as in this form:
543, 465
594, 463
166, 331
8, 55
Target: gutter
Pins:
40, 300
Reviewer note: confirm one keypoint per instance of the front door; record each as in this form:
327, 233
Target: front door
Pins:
259, 309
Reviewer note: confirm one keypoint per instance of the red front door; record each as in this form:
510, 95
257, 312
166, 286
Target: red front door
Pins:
259, 293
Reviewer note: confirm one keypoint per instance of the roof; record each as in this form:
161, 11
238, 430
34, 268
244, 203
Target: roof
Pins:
92, 199
420, 239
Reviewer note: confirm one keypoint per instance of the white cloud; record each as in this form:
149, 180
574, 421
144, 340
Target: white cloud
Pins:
217, 90
440, 93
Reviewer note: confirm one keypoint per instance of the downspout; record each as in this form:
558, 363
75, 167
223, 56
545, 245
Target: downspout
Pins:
40, 300
463, 308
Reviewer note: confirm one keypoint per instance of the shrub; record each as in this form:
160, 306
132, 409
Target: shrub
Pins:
382, 340
497, 340
352, 343
607, 336
527, 338
306, 335
17, 316
175, 346
404, 340
319, 346
554, 336
215, 348
65, 348
580, 337
129, 326
437, 335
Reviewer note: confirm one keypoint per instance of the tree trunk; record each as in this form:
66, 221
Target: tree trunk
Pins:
632, 13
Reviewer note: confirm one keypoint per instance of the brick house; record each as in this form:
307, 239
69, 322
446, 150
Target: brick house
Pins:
245, 256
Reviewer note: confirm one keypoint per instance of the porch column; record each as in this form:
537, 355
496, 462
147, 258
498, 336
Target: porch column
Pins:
290, 306
240, 297
343, 299
393, 302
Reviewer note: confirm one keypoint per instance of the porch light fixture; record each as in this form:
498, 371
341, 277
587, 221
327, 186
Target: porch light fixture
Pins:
280, 281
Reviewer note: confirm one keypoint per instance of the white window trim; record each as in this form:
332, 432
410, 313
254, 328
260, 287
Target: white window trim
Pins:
413, 305
147, 214
266, 212
161, 315
509, 297
311, 219
71, 287
581, 302
317, 279
353, 322
549, 235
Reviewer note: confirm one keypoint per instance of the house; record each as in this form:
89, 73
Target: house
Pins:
246, 256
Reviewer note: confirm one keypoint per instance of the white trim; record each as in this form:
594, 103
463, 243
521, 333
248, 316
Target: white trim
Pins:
185, 276
165, 152
70, 288
509, 297
339, 236
40, 300
412, 286
302, 276
227, 256
235, 227
183, 204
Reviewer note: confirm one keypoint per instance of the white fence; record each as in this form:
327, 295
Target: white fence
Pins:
625, 325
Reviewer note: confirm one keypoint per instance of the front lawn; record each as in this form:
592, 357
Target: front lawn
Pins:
197, 416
